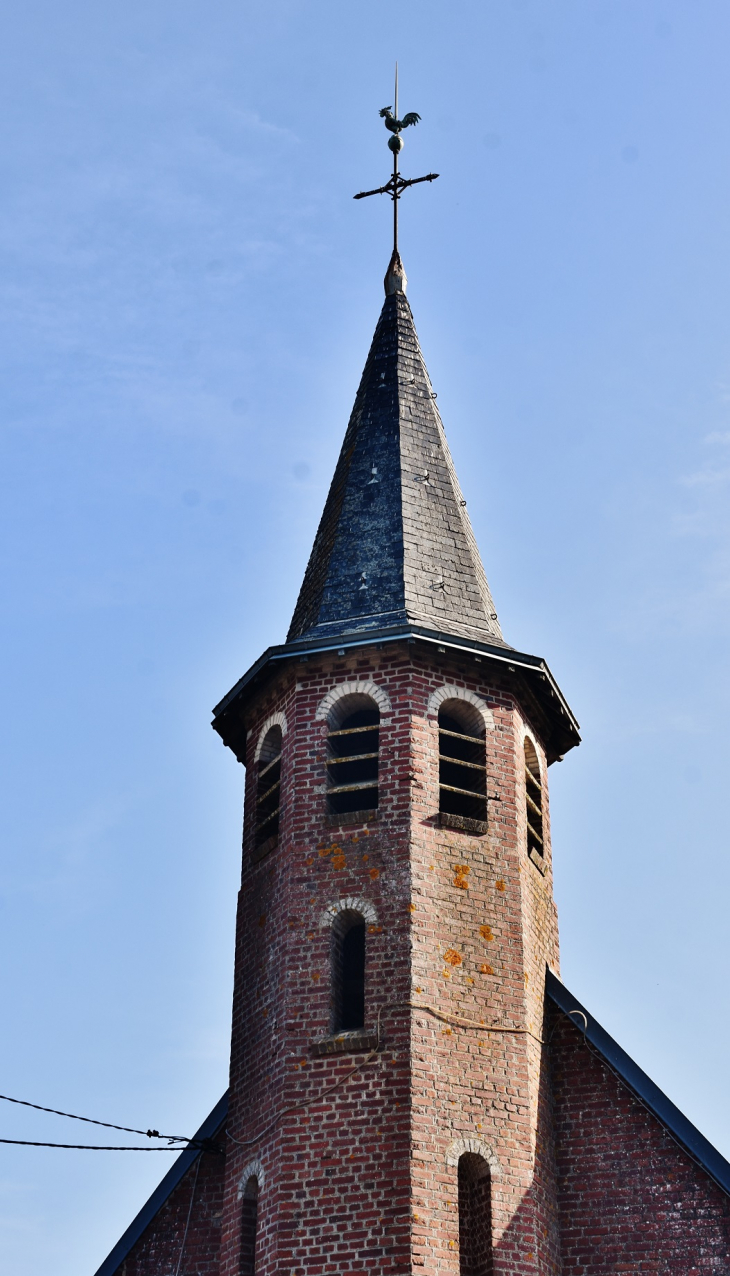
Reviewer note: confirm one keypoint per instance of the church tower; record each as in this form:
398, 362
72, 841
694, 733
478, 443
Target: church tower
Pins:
413, 1091
396, 915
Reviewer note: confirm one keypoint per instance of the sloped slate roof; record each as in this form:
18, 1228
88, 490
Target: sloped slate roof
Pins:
699, 1148
395, 545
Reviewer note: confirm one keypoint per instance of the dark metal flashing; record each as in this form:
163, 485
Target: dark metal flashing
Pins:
674, 1121
163, 1191
533, 668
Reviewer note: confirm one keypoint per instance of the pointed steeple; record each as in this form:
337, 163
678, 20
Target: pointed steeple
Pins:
395, 546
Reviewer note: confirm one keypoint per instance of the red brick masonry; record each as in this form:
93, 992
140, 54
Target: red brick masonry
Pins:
364, 1181
630, 1199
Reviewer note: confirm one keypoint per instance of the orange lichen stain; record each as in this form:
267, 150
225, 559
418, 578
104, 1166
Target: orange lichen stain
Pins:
338, 860
316, 975
447, 1032
487, 970
262, 919
461, 876
310, 860
365, 859
374, 873
375, 930
411, 908
310, 935
486, 933
447, 974
325, 850
417, 990
469, 979
527, 979
452, 957
500, 886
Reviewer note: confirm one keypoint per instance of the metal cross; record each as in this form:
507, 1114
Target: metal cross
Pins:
397, 184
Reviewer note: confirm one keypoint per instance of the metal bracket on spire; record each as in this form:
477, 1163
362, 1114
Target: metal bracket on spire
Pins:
395, 279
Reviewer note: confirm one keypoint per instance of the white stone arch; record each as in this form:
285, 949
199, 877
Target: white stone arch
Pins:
528, 734
276, 720
448, 692
254, 1169
362, 687
473, 1144
351, 904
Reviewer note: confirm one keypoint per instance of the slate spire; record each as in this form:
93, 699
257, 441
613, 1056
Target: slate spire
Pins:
395, 547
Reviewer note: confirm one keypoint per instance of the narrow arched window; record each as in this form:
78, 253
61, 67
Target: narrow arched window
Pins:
462, 766
249, 1227
533, 801
268, 788
475, 1216
353, 742
348, 972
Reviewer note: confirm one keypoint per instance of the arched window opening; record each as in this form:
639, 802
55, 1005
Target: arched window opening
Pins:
475, 1216
462, 766
249, 1227
268, 788
353, 742
533, 800
348, 972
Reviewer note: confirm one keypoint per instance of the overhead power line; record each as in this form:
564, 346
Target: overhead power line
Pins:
174, 1141
92, 1147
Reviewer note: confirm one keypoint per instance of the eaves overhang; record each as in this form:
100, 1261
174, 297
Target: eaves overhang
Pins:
642, 1086
530, 675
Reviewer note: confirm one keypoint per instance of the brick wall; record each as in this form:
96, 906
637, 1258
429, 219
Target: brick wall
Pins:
158, 1250
365, 1179
356, 1154
630, 1199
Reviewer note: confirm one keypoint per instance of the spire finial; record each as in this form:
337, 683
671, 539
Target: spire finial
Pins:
395, 278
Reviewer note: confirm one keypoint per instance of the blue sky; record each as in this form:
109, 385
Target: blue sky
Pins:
188, 296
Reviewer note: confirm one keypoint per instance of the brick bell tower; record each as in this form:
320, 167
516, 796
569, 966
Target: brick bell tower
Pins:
389, 1111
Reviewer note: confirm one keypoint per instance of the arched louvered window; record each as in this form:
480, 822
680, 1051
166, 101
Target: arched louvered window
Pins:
249, 1227
353, 742
348, 972
462, 767
475, 1216
268, 789
533, 801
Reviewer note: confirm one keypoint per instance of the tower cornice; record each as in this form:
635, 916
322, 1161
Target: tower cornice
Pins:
529, 677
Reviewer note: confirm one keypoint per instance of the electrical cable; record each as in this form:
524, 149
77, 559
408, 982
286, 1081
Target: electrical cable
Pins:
467, 1023
125, 1129
396, 1005
187, 1221
92, 1147
174, 1140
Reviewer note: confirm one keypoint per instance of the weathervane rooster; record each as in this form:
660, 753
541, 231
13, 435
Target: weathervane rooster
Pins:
395, 279
394, 125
